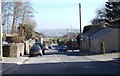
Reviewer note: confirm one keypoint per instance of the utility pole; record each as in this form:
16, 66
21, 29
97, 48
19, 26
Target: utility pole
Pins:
71, 28
67, 34
67, 30
80, 22
72, 40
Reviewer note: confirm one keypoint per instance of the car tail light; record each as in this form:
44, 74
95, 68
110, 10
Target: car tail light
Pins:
39, 50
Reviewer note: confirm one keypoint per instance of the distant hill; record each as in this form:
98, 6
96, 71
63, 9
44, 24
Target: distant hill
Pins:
57, 32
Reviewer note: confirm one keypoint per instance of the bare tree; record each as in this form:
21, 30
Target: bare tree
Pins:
27, 13
6, 14
18, 12
16, 15
22, 14
29, 28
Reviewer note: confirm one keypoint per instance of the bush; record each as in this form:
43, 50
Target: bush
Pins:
17, 39
3, 37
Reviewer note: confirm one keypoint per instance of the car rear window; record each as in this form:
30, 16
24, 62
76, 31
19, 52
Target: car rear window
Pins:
35, 48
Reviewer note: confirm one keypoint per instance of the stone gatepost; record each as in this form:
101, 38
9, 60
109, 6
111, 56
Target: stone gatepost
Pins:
20, 49
1, 54
27, 47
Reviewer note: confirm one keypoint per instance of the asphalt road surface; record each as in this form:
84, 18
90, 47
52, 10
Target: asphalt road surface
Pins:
64, 63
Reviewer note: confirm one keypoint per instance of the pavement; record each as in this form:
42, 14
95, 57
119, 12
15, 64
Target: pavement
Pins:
109, 57
8, 63
11, 63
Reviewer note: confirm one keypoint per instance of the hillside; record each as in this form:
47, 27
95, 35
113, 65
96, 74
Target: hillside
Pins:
56, 32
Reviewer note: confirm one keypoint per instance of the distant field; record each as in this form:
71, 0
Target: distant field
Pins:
57, 32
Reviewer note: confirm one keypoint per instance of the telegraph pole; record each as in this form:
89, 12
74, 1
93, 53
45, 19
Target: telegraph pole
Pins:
80, 22
71, 28
67, 34
80, 16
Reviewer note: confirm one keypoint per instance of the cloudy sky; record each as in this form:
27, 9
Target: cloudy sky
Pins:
55, 14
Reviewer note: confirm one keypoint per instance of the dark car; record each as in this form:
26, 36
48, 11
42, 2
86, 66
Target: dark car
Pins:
49, 47
42, 47
40, 44
63, 48
35, 50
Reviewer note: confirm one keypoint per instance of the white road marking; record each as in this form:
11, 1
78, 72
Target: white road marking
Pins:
7, 68
12, 70
59, 60
72, 57
43, 58
53, 61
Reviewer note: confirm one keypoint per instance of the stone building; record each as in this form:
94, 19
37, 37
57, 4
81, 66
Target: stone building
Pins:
92, 40
39, 37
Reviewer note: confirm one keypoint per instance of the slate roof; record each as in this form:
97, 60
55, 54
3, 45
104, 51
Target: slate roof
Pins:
92, 31
102, 32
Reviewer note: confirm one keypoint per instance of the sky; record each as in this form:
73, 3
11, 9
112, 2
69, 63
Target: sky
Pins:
63, 14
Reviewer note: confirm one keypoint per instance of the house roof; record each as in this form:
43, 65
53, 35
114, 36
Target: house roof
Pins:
38, 33
102, 32
92, 31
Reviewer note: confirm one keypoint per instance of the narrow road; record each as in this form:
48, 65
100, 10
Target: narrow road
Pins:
64, 63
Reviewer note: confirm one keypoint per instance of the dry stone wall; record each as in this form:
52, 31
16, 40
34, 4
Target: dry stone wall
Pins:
10, 50
17, 49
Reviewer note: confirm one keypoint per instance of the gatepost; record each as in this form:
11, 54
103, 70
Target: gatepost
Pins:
0, 34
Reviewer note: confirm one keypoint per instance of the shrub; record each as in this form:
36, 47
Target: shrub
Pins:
17, 39
3, 37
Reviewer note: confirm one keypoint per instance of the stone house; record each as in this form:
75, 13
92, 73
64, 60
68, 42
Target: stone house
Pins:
38, 36
108, 36
92, 40
86, 38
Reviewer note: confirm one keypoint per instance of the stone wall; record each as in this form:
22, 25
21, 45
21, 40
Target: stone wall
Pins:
18, 49
110, 42
10, 50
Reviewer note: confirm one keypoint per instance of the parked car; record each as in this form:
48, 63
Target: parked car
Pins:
114, 51
35, 50
54, 47
46, 48
40, 44
63, 48
49, 47
42, 47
